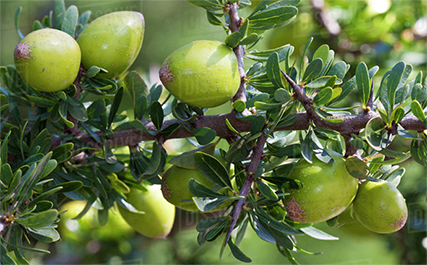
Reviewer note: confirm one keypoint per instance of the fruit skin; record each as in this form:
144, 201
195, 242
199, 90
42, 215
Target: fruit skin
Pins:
380, 207
175, 186
87, 227
48, 59
158, 217
328, 189
112, 42
203, 74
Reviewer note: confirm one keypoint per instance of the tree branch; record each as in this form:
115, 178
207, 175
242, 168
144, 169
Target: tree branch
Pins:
246, 188
239, 52
323, 19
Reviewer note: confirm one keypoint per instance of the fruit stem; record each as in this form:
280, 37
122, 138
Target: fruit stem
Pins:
246, 188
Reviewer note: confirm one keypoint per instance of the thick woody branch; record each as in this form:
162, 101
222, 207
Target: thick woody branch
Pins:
351, 124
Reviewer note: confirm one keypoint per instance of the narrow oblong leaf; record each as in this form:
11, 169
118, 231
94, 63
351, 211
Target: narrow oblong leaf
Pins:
273, 70
212, 169
323, 97
39, 220
157, 115
69, 22
417, 110
363, 83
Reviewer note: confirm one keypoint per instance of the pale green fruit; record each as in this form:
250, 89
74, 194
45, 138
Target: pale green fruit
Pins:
175, 186
87, 227
380, 207
48, 59
203, 74
158, 217
112, 42
328, 189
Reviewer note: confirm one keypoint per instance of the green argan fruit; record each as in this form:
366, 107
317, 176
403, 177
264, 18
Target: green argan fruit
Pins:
328, 189
158, 217
203, 74
380, 207
48, 59
112, 42
175, 186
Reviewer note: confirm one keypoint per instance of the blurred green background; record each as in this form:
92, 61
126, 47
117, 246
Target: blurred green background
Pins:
379, 32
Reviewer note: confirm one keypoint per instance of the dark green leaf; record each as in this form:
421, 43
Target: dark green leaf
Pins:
323, 81
322, 53
313, 70
363, 83
282, 95
272, 16
213, 19
110, 158
273, 70
155, 160
77, 109
4, 149
17, 14
257, 124
115, 106
266, 191
323, 97
204, 135
212, 169
62, 152
393, 83
374, 133
339, 70
187, 160
206, 204
237, 253
207, 223
201, 191
69, 22
170, 129
233, 39
156, 114
357, 168
237, 151
45, 235
207, 4
251, 38
4, 257
39, 220
283, 52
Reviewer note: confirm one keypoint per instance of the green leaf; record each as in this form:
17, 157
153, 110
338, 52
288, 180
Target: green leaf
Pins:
155, 160
237, 253
69, 22
273, 70
251, 38
319, 151
59, 13
237, 151
374, 133
110, 158
417, 110
136, 87
39, 220
206, 204
170, 129
207, 4
201, 191
4, 257
397, 114
257, 124
45, 235
77, 109
209, 222
4, 149
363, 83
282, 95
115, 106
393, 83
17, 14
212, 169
419, 93
213, 19
204, 135
322, 53
323, 81
233, 39
357, 168
273, 16
84, 18
156, 114
339, 70
239, 105
283, 52
187, 160
62, 153
313, 70
323, 97
317, 234
266, 191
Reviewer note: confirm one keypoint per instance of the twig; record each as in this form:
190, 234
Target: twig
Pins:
239, 52
246, 188
323, 19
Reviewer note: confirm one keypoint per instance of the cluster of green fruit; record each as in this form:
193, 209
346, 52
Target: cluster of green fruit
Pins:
49, 59
328, 190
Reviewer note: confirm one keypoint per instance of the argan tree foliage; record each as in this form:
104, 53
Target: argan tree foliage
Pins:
68, 145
